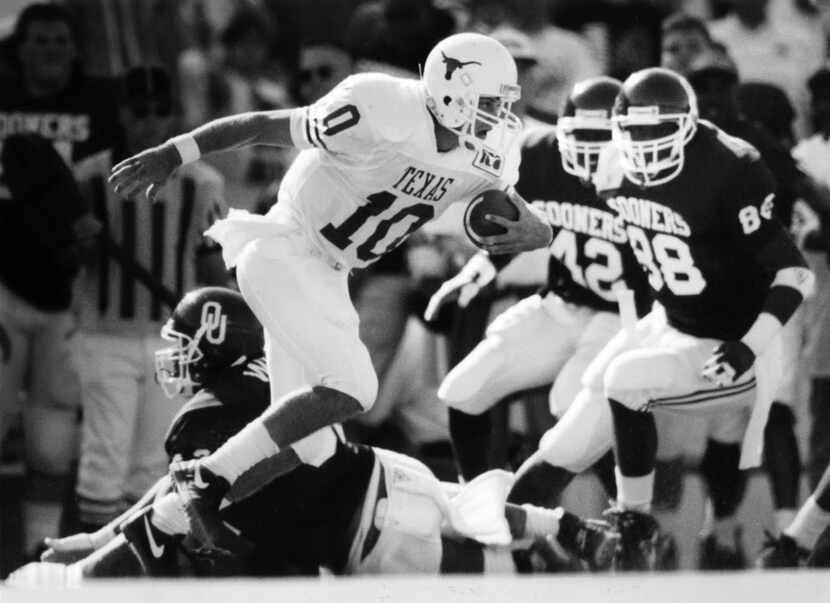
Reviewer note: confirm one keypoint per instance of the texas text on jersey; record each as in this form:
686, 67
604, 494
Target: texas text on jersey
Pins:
700, 235
590, 254
372, 174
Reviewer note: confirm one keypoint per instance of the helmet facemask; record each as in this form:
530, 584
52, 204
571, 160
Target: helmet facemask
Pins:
652, 144
172, 364
482, 121
581, 138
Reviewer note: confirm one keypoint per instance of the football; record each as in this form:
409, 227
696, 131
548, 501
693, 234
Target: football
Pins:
493, 202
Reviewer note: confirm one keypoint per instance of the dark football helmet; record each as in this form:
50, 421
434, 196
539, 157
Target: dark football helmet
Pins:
655, 115
584, 127
212, 329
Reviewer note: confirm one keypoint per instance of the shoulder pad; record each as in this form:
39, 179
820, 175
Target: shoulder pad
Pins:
738, 147
390, 104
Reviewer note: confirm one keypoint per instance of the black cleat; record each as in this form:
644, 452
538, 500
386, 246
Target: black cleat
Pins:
201, 492
596, 544
781, 552
639, 537
156, 550
714, 555
667, 555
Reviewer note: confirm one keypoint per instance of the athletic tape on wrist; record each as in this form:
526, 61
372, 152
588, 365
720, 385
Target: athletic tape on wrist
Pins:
187, 147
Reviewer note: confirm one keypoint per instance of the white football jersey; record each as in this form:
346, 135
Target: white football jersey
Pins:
371, 174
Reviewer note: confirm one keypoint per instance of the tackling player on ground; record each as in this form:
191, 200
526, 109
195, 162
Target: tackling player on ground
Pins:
361, 510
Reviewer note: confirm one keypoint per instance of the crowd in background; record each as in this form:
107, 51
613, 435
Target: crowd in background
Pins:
87, 280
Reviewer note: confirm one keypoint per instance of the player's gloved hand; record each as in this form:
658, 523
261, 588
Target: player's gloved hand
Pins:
729, 361
464, 286
527, 232
145, 172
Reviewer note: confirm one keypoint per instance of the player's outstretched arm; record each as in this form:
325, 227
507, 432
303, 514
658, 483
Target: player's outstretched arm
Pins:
529, 231
77, 546
147, 171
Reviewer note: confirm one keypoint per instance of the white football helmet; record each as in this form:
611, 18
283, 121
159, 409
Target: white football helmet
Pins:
459, 72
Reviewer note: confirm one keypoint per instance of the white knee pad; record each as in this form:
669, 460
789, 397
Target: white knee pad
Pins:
465, 387
582, 435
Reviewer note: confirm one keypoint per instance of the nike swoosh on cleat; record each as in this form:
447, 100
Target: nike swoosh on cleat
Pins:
156, 549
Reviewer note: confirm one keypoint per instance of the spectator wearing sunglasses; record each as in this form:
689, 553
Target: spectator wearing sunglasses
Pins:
153, 253
46, 93
321, 67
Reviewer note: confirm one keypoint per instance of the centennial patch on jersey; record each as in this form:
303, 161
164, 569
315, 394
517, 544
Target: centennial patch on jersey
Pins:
489, 162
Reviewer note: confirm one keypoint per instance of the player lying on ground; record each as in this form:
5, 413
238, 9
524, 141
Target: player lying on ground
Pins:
380, 157
356, 510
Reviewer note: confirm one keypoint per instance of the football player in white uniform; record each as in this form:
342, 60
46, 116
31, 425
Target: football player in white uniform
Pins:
381, 156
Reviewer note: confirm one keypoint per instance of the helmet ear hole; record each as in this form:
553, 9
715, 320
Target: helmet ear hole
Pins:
447, 100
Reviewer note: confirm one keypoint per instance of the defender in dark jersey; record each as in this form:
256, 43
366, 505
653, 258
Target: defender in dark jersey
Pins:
698, 208
559, 330
356, 509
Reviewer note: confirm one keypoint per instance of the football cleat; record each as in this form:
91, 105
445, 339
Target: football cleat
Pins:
781, 552
639, 538
201, 492
714, 555
667, 553
596, 544
155, 550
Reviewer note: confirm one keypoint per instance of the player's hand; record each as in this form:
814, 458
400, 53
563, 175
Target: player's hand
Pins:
69, 549
729, 361
464, 286
527, 232
145, 172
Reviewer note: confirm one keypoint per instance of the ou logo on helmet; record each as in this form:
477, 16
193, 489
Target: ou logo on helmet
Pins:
214, 322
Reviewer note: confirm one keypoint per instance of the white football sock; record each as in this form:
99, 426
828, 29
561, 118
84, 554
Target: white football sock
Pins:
541, 522
169, 515
634, 493
783, 518
242, 451
810, 521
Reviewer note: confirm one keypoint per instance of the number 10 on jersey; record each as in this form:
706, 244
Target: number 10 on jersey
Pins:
341, 236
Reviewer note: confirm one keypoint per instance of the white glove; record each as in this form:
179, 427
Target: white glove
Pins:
476, 273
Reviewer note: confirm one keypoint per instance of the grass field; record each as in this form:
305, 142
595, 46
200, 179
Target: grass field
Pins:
768, 587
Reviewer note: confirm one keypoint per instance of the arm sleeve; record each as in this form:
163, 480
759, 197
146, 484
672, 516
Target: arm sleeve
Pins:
338, 122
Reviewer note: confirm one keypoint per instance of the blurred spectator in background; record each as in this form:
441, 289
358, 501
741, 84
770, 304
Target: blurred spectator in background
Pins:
45, 226
769, 106
625, 33
524, 53
321, 67
565, 57
243, 76
46, 93
813, 155
770, 49
396, 33
152, 254
684, 39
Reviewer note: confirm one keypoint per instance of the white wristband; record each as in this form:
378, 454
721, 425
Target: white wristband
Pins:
187, 147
